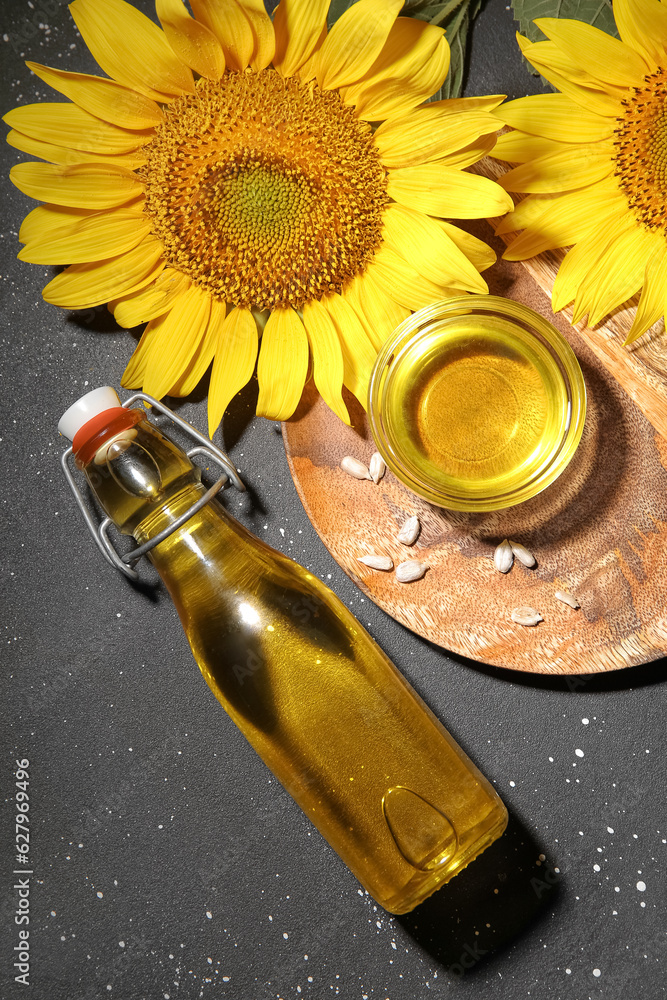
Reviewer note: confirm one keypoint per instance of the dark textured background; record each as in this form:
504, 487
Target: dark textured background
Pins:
168, 863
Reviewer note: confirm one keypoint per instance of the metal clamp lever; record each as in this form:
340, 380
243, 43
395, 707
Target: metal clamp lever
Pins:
125, 564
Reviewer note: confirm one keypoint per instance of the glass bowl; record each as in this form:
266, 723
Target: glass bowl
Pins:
476, 403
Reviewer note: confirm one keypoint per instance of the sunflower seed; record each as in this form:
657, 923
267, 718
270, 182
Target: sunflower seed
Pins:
354, 467
377, 562
526, 616
503, 557
522, 554
560, 595
377, 467
412, 569
409, 531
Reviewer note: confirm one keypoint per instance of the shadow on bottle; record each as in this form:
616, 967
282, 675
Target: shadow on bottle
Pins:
511, 888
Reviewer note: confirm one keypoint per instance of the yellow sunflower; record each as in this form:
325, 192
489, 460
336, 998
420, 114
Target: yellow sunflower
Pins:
593, 161
260, 192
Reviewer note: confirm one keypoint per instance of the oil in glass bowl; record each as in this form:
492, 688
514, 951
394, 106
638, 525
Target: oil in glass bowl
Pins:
477, 403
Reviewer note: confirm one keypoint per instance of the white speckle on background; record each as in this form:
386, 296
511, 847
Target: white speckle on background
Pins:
99, 895
579, 753
585, 721
641, 886
610, 829
597, 973
209, 914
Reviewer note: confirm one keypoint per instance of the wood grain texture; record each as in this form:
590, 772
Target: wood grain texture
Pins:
599, 532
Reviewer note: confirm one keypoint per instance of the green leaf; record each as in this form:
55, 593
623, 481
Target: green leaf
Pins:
435, 13
456, 18
595, 12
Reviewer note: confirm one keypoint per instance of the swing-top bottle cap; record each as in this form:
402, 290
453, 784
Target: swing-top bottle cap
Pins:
91, 405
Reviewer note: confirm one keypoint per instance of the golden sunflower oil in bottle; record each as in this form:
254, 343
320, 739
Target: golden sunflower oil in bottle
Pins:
318, 700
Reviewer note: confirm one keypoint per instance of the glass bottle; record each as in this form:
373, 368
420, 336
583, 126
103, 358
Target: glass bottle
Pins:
319, 701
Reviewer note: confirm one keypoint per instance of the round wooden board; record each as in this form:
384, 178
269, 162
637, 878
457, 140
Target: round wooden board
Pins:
599, 532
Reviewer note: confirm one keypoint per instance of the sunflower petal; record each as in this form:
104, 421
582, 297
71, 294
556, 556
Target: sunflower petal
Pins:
401, 282
306, 72
83, 286
193, 42
79, 185
105, 99
555, 116
642, 24
440, 190
231, 27
133, 376
69, 125
131, 49
149, 303
419, 137
325, 348
358, 352
477, 251
178, 335
619, 272
541, 211
652, 302
355, 41
605, 57
571, 219
68, 157
411, 66
204, 354
46, 219
517, 147
379, 315
83, 185
470, 154
578, 263
427, 247
456, 105
108, 234
234, 361
264, 35
563, 73
574, 167
298, 26
282, 365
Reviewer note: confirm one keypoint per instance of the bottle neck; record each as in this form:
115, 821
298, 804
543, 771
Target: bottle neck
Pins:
135, 471
166, 513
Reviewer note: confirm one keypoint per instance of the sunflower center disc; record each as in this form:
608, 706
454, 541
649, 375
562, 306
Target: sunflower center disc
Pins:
268, 192
641, 151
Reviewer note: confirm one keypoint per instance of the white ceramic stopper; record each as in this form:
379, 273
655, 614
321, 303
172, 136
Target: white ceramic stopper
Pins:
79, 413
